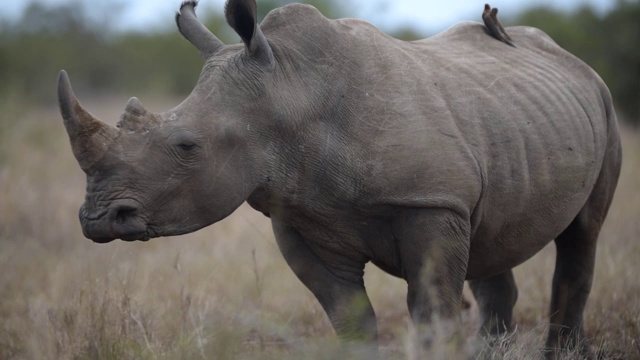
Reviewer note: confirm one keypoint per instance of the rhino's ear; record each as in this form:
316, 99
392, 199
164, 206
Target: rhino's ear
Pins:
242, 16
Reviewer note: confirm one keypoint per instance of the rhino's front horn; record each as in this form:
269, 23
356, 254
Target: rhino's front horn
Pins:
89, 136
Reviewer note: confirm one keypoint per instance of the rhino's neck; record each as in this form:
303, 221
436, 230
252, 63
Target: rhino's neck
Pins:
304, 145
309, 107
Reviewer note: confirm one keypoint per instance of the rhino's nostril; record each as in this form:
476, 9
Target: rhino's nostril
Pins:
125, 212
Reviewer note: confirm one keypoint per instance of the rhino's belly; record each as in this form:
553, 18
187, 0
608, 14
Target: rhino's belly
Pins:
510, 248
513, 227
539, 173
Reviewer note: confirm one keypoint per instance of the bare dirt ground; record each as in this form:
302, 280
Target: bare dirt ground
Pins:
225, 291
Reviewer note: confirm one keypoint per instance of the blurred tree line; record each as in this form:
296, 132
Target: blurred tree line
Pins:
99, 60
609, 43
45, 39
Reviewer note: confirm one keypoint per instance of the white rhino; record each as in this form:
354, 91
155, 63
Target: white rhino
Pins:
442, 160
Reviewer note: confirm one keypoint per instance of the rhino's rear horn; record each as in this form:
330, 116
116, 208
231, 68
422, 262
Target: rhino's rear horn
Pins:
137, 118
89, 136
189, 26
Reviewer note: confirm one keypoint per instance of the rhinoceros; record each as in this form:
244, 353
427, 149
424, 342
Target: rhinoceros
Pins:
447, 159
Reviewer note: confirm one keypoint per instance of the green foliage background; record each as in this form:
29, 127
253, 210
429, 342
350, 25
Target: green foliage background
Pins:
44, 40
609, 43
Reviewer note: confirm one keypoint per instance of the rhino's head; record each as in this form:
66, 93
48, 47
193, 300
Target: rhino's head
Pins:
175, 172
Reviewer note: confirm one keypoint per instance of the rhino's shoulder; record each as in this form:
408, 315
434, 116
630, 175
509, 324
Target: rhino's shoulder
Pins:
304, 28
292, 15
295, 23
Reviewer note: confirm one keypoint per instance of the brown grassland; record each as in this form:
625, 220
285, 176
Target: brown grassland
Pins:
225, 292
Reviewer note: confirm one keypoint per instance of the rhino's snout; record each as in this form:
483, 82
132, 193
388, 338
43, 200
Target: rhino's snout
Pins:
118, 221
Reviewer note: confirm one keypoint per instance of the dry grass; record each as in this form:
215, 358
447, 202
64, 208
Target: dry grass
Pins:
225, 292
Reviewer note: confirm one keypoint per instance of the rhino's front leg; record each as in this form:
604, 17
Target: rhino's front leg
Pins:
434, 250
340, 291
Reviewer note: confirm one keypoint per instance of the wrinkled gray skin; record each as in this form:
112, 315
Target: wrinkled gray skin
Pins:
451, 158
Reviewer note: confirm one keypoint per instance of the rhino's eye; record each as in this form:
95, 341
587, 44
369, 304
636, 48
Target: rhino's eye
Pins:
183, 141
187, 146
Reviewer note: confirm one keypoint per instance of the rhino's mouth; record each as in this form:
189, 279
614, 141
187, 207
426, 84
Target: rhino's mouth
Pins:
101, 240
119, 221
107, 238
129, 238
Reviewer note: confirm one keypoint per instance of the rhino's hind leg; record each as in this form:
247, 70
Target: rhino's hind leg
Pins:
496, 297
576, 251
